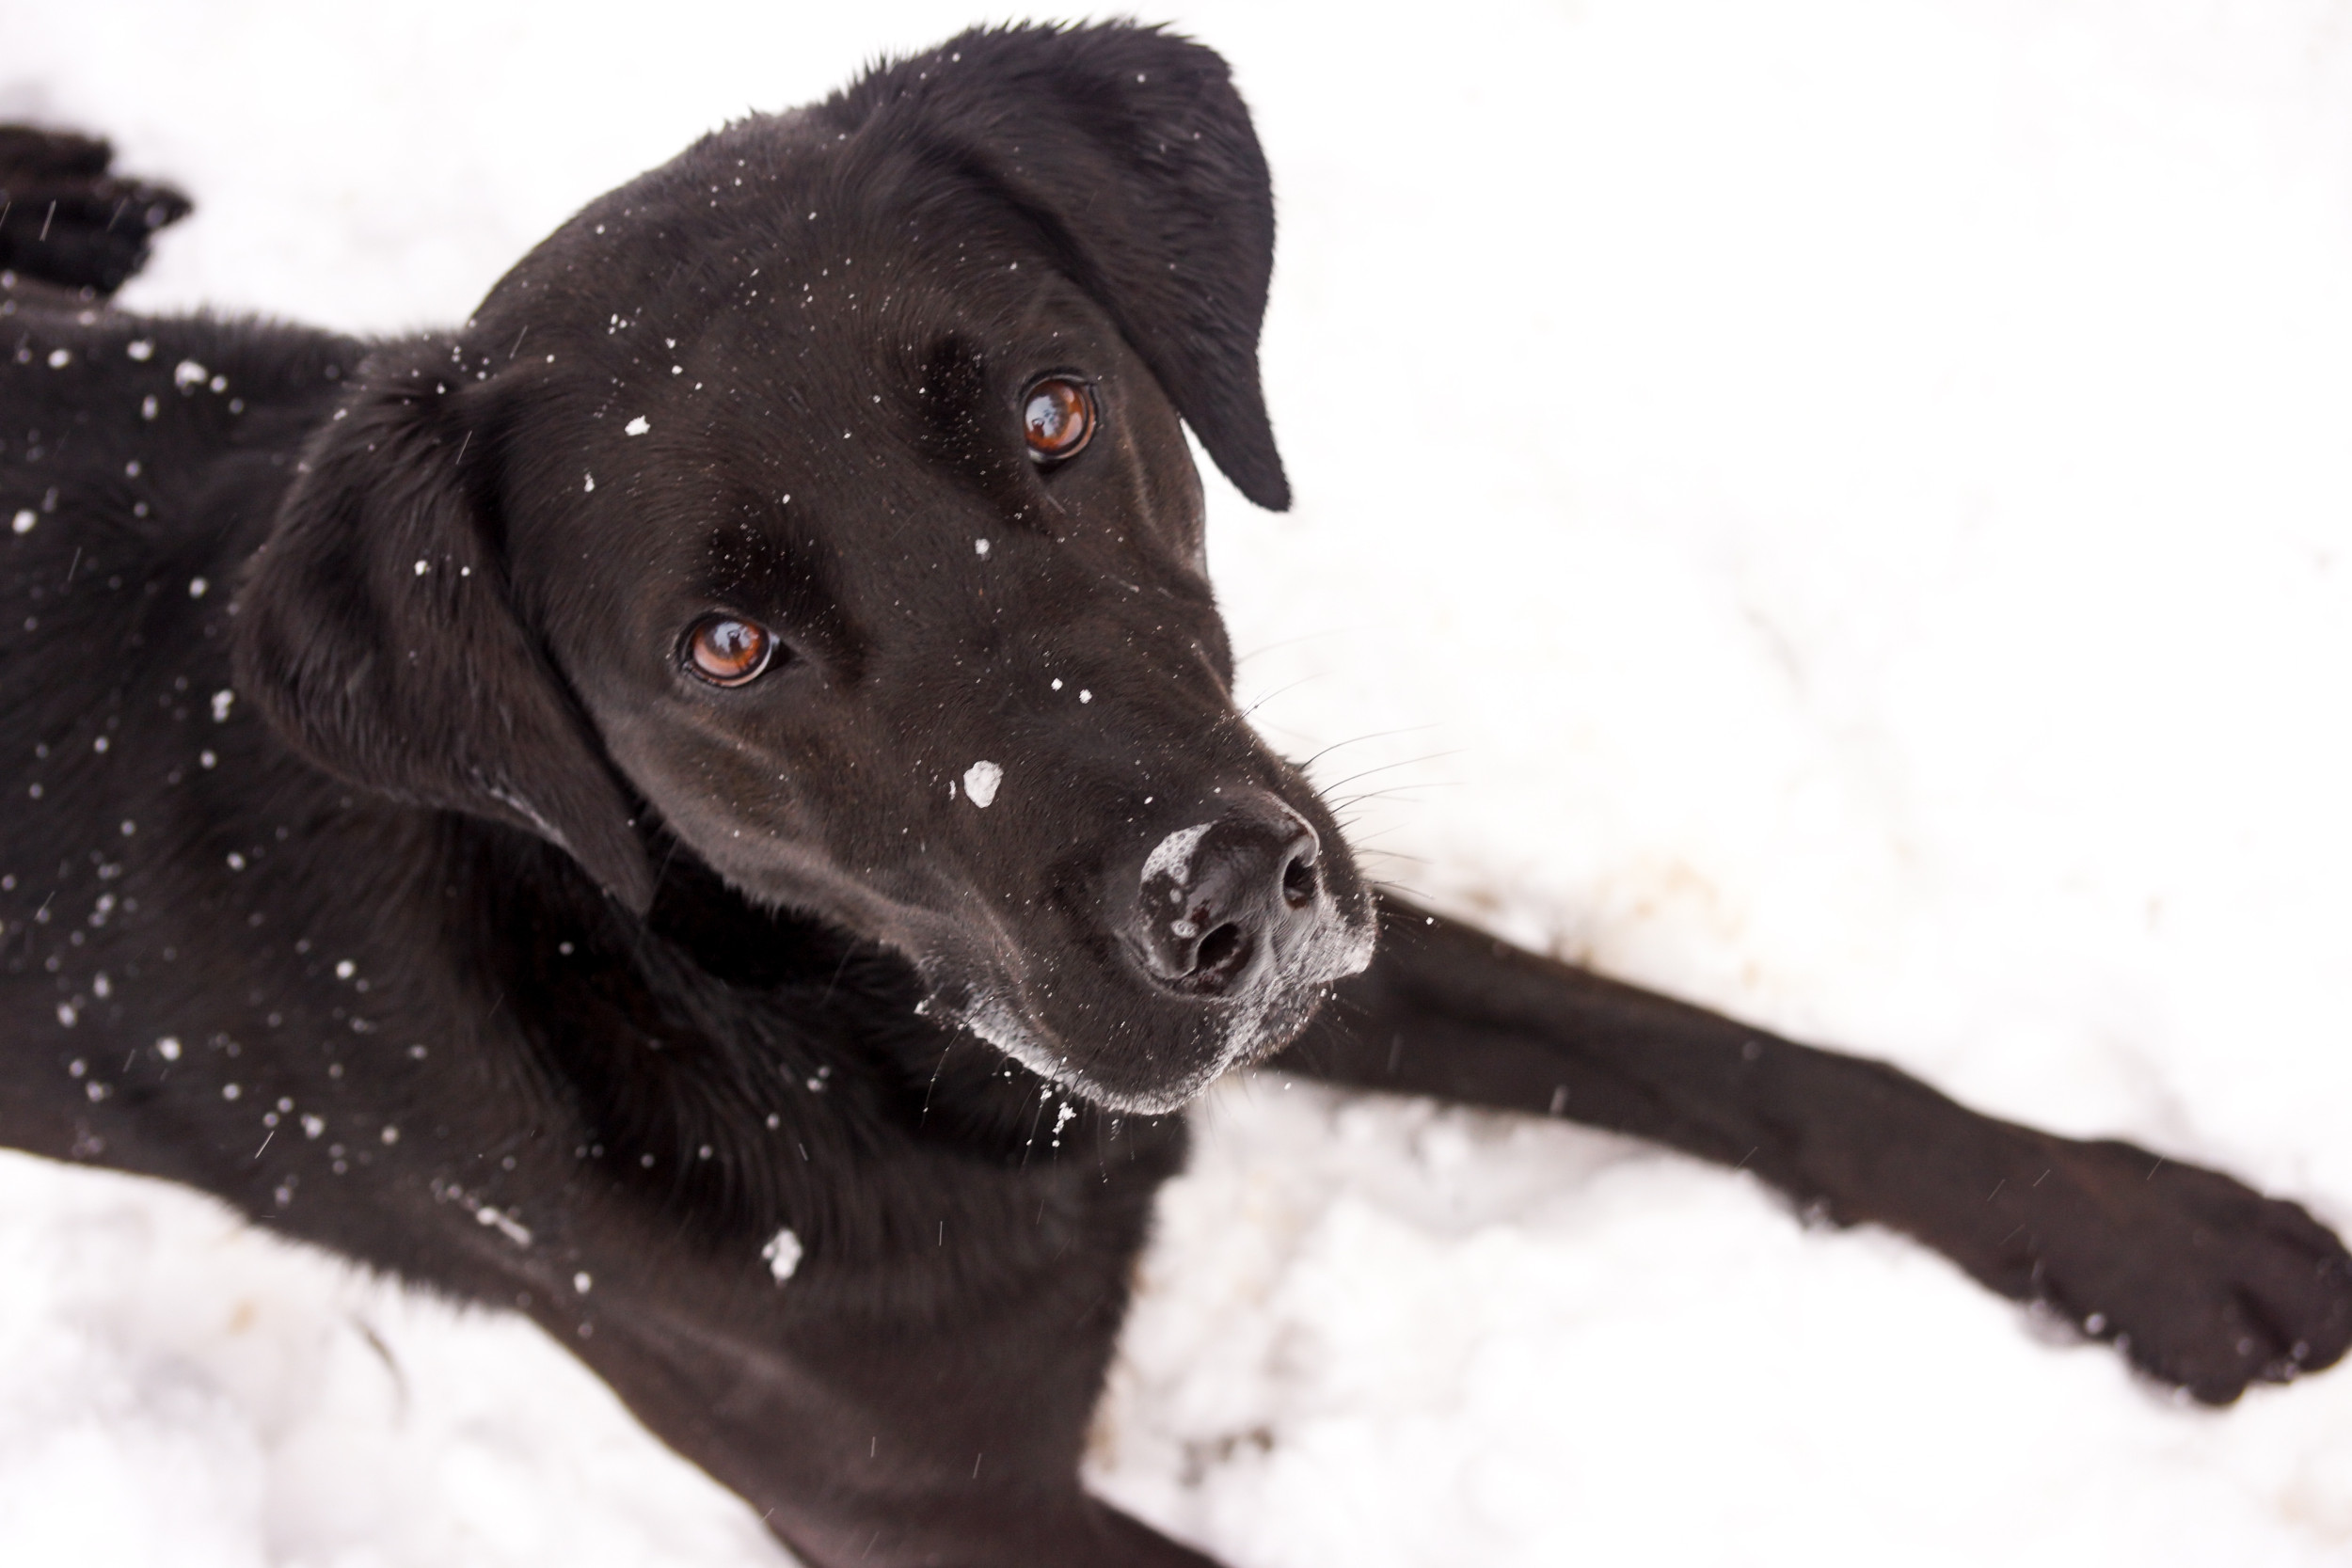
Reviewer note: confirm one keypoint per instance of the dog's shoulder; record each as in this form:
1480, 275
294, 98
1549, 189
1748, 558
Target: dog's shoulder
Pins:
112, 425
139, 459
78, 380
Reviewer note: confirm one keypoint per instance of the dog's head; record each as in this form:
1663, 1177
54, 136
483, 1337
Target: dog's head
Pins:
821, 497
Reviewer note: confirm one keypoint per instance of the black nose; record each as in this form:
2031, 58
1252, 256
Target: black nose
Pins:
1216, 902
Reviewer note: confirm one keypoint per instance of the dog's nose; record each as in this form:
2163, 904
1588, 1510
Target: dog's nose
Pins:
1217, 901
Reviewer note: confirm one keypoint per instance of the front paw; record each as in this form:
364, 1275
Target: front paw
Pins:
2199, 1281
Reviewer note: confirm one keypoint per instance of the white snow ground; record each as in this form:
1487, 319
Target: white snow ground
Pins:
1842, 512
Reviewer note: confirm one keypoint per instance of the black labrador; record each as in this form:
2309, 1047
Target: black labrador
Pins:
705, 806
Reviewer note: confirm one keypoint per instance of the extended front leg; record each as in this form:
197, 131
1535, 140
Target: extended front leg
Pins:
2201, 1281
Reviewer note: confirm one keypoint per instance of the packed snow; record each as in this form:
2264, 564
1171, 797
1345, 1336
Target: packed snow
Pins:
1838, 511
1172, 858
782, 1255
981, 782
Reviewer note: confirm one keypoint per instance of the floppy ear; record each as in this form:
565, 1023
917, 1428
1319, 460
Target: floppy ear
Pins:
1129, 148
376, 632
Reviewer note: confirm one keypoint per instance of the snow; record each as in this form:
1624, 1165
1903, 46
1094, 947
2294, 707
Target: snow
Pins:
980, 781
1838, 511
179, 1391
1171, 857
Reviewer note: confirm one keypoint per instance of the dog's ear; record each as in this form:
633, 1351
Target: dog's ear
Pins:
1130, 150
375, 630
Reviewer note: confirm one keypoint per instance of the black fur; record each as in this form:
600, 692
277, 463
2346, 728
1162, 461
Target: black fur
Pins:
419, 902
64, 219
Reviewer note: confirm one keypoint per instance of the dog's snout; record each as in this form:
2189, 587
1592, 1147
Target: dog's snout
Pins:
1216, 902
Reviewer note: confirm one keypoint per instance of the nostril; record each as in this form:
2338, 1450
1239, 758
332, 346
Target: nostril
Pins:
1219, 906
1220, 951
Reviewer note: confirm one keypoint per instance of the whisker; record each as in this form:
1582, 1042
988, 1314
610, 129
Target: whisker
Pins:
1408, 762
1240, 660
1280, 690
1358, 740
1346, 800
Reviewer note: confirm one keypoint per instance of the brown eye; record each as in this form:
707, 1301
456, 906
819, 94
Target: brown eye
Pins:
1057, 417
727, 652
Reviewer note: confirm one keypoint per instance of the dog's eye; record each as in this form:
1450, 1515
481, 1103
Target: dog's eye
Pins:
1057, 418
727, 652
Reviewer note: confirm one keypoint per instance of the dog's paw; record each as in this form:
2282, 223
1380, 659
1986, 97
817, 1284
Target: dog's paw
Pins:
66, 220
2201, 1281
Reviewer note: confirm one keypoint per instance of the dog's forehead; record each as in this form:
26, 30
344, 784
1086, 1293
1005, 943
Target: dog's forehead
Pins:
784, 334
775, 238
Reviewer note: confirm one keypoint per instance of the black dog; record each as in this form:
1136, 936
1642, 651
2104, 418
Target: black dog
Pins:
705, 806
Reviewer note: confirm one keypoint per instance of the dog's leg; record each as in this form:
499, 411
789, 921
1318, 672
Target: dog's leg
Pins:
2201, 1281
66, 221
870, 1438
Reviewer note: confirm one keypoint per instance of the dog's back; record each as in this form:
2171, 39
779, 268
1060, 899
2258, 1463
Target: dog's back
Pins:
138, 462
137, 455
